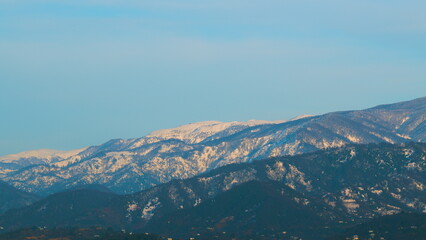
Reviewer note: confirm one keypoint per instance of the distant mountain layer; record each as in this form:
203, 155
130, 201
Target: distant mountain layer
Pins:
11, 197
131, 165
306, 196
14, 162
39, 156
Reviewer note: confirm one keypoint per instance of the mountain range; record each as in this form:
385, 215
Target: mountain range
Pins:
131, 165
310, 196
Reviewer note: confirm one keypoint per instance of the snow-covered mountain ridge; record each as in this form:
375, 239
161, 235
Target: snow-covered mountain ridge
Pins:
43, 155
190, 133
197, 132
128, 165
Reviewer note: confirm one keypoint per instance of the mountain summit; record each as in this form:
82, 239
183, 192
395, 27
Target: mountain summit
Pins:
197, 132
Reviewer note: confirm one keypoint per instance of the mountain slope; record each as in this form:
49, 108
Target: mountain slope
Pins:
358, 182
268, 209
11, 197
81, 207
131, 165
342, 186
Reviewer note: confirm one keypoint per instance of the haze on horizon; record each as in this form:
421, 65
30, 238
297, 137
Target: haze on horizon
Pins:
78, 73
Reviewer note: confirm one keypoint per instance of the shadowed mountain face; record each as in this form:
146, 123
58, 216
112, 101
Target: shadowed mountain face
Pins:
11, 197
83, 207
131, 165
342, 186
250, 209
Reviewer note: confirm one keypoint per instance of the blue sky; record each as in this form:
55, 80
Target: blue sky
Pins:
78, 73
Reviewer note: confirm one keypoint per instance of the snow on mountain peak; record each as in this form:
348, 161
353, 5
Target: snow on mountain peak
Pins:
301, 117
197, 132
